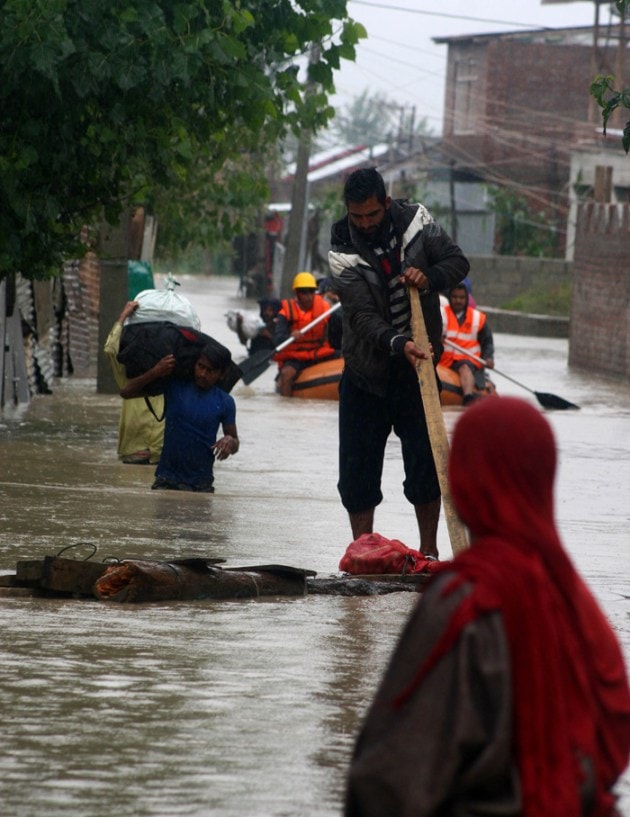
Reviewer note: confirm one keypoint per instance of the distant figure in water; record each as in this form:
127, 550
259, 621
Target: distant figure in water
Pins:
263, 339
507, 693
467, 327
309, 346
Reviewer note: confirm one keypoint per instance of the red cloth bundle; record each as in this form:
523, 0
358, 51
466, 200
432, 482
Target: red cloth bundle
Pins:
373, 554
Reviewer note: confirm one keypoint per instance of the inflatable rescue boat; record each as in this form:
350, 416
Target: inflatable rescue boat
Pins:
321, 382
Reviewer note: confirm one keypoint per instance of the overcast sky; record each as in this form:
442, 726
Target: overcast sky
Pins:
400, 59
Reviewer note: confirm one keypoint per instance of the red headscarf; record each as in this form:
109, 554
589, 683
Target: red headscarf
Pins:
571, 697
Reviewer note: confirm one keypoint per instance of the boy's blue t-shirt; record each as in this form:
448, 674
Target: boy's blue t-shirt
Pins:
193, 417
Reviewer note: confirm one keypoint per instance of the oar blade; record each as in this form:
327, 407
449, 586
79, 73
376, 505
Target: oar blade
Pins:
552, 401
252, 367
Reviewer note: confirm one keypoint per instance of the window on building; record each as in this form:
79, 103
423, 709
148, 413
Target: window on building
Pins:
464, 114
583, 192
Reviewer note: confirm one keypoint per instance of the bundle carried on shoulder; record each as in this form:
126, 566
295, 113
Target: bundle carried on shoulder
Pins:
165, 323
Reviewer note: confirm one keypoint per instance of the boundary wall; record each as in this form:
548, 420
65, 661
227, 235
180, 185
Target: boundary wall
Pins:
599, 337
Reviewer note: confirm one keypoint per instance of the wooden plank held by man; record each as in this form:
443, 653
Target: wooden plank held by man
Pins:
435, 425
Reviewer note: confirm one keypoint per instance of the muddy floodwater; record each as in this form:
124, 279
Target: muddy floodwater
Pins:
238, 707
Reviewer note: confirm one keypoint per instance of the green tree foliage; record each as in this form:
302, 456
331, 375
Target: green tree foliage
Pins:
519, 231
371, 119
104, 102
205, 209
609, 99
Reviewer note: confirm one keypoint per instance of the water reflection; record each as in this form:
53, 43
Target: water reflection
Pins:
356, 645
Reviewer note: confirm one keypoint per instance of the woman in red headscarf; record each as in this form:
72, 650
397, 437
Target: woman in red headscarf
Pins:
507, 694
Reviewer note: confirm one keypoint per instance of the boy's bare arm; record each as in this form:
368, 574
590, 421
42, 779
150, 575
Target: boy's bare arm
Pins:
137, 385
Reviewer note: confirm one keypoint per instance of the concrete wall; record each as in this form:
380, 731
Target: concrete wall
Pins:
496, 279
583, 181
523, 323
599, 337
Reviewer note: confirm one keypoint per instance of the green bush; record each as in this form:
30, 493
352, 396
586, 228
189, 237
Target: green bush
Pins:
543, 301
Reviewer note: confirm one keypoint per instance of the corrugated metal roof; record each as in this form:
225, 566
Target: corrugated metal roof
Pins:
574, 35
333, 161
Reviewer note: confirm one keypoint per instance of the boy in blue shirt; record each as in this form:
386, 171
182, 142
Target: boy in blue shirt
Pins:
195, 408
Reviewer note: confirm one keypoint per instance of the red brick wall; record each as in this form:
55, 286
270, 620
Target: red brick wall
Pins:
599, 335
530, 85
537, 92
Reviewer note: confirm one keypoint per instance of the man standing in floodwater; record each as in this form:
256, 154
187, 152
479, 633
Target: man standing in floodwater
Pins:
384, 252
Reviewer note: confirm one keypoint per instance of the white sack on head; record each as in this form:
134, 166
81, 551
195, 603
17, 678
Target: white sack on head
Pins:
165, 305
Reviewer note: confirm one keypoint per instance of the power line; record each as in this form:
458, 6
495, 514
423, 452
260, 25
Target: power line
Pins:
443, 14
407, 64
433, 53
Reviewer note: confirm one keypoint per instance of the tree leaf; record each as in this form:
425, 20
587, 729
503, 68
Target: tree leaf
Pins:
102, 100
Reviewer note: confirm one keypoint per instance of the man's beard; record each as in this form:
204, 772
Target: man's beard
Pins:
380, 233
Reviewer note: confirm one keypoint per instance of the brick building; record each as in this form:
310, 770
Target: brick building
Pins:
517, 104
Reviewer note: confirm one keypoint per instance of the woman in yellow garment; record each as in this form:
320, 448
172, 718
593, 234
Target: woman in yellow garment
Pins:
140, 434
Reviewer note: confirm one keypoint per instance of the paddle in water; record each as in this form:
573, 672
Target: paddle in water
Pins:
546, 400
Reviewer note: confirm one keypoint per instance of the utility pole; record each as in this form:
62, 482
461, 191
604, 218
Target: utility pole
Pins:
296, 236
451, 188
619, 60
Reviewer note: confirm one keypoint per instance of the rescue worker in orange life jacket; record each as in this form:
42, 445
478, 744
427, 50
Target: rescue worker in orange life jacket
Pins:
468, 328
307, 348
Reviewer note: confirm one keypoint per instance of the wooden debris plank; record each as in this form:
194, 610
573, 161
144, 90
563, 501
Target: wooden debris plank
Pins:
71, 575
412, 578
7, 580
144, 581
29, 572
17, 592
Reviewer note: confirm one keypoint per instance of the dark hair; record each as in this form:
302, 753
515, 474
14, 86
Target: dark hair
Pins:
274, 303
457, 288
364, 183
217, 354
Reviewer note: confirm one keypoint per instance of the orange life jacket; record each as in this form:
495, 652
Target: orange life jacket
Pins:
464, 335
314, 344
